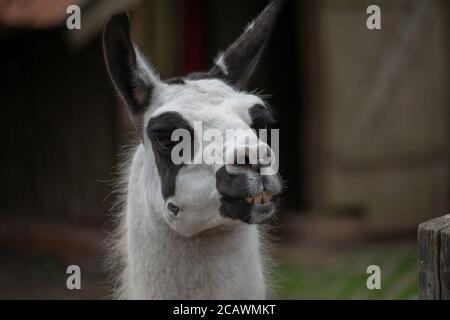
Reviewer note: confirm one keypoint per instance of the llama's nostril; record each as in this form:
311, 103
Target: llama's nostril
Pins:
173, 209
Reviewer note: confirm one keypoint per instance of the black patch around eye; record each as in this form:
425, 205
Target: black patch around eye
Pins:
164, 141
262, 117
159, 131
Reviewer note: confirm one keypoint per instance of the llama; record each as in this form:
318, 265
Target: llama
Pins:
191, 231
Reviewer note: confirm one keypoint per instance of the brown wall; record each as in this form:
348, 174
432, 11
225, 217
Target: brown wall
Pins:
59, 128
380, 139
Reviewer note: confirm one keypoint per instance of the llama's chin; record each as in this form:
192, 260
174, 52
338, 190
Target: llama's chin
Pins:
262, 213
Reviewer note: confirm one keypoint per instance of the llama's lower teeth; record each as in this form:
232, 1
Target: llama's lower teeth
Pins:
258, 199
262, 198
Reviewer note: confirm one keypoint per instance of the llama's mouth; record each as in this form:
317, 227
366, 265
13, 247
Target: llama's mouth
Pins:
263, 198
253, 210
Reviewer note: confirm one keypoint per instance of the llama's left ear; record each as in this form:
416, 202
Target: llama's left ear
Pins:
132, 77
238, 62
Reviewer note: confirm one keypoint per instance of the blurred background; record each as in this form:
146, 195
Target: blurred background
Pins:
363, 117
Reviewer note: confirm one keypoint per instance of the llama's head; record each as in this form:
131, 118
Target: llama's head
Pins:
198, 194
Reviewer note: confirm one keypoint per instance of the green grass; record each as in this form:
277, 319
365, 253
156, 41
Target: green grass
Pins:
341, 273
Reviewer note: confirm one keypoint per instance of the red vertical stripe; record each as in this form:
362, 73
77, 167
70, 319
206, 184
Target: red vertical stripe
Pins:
194, 36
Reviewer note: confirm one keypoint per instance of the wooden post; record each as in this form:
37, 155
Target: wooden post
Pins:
434, 259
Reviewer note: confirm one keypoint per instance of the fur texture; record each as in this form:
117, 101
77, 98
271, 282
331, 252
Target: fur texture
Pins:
203, 251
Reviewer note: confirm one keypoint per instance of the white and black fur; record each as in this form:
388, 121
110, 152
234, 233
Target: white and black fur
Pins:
187, 231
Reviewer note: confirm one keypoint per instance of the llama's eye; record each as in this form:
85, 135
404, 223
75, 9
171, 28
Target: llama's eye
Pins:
165, 141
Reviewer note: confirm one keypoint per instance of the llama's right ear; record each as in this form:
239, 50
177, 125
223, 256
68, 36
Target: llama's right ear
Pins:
132, 77
237, 64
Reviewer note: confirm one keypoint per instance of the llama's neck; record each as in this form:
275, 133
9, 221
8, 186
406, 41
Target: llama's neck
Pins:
222, 265
159, 264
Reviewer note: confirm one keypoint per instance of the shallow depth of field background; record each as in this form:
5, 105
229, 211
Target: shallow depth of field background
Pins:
363, 118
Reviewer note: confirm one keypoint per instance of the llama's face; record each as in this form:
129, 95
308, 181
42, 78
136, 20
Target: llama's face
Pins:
201, 195
197, 195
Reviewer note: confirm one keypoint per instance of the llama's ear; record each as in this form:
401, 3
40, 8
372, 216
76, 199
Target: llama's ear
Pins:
132, 77
238, 62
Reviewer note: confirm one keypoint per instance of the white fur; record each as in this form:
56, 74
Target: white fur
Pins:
250, 26
220, 62
199, 254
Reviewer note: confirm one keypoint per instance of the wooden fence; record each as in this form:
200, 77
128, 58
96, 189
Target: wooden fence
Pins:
434, 259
